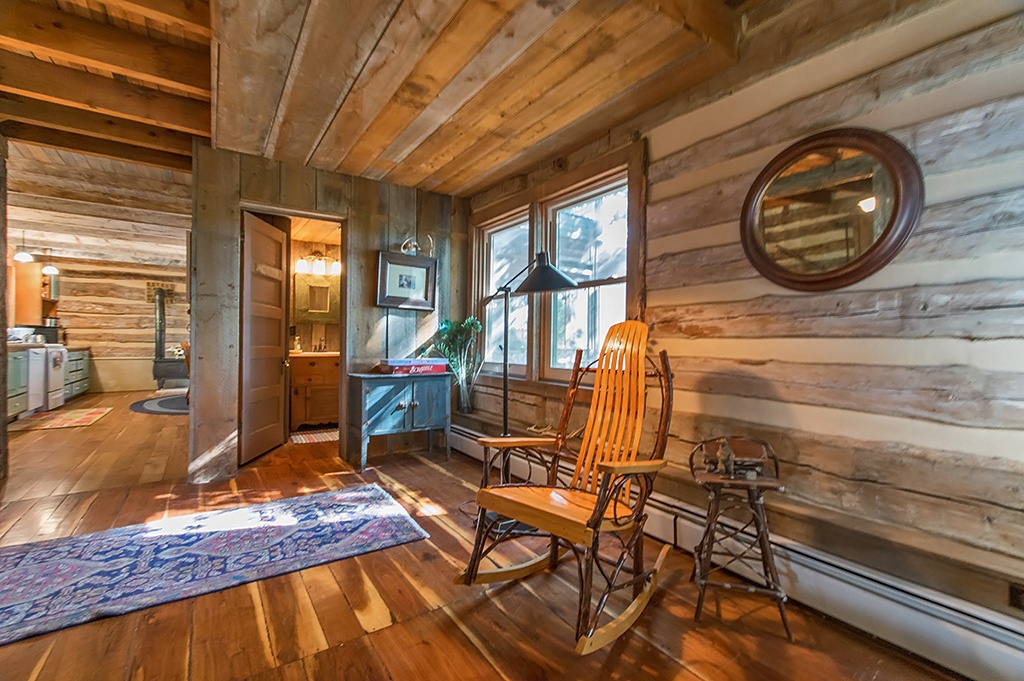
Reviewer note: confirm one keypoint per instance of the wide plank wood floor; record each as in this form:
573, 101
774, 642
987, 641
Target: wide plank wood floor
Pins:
395, 614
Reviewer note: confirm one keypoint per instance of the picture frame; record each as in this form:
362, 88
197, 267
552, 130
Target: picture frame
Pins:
406, 281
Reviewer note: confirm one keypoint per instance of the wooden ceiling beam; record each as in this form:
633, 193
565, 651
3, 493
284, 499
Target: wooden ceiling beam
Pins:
37, 79
189, 15
91, 124
713, 20
58, 139
52, 34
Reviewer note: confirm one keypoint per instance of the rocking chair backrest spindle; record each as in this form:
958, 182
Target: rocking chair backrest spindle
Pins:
615, 421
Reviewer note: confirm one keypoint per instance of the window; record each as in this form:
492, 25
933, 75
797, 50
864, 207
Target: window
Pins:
589, 233
582, 220
507, 251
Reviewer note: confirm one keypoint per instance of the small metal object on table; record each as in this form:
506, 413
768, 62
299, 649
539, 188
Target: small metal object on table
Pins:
736, 471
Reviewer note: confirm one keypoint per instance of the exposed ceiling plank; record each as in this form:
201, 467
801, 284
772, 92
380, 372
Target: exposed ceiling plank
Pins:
410, 33
469, 31
81, 90
49, 33
91, 124
254, 49
529, 23
312, 93
189, 15
649, 44
90, 145
571, 42
689, 71
711, 19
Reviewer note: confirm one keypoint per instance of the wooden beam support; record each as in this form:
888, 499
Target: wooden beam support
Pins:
36, 79
713, 20
31, 134
189, 15
52, 34
57, 117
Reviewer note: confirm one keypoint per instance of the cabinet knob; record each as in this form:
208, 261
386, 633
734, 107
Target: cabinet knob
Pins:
414, 404
401, 405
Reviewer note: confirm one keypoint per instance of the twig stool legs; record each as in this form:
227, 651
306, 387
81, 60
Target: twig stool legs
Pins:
742, 494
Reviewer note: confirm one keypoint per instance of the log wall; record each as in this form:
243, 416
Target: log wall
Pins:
375, 216
896, 404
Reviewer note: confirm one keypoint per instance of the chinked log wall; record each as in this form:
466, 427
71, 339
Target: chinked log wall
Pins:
375, 216
896, 404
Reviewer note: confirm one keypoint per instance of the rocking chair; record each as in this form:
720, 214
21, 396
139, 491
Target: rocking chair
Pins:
604, 496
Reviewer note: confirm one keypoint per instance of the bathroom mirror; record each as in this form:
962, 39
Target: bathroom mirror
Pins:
832, 209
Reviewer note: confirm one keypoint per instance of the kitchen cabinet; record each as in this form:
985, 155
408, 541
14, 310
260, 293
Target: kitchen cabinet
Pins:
76, 374
28, 294
17, 382
383, 404
314, 388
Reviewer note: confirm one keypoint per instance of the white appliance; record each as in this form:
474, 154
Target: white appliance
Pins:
36, 378
56, 358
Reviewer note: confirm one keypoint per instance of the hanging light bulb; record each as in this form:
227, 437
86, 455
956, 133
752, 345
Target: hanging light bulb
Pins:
302, 266
336, 268
22, 255
320, 266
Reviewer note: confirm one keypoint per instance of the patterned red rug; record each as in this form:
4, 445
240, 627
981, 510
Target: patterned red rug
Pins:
49, 585
64, 418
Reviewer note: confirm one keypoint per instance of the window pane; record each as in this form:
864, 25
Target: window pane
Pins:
509, 251
590, 237
581, 318
494, 330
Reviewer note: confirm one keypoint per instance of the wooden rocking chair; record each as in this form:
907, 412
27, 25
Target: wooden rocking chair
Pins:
604, 496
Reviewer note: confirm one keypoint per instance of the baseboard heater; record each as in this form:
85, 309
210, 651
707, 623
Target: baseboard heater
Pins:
971, 640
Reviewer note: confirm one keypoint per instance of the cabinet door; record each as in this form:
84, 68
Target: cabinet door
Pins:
322, 404
386, 406
432, 402
17, 373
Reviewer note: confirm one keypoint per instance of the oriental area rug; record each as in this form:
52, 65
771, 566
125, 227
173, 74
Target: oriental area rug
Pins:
49, 585
64, 418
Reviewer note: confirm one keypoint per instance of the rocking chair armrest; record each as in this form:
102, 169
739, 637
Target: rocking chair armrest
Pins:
631, 467
510, 442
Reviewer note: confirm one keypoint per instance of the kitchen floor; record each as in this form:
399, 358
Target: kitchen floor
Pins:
120, 450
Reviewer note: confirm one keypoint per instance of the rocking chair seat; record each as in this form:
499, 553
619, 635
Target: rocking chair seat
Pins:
556, 510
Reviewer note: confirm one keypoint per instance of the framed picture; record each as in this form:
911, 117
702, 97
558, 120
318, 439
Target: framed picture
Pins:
406, 281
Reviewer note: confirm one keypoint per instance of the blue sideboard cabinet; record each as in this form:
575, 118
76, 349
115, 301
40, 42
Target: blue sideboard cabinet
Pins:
384, 404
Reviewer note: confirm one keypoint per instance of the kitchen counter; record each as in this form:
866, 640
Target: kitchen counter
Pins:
15, 347
314, 354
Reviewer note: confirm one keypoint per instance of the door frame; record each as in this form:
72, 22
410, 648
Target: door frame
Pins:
275, 211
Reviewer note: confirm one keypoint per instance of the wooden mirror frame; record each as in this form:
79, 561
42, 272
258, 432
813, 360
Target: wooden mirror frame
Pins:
908, 186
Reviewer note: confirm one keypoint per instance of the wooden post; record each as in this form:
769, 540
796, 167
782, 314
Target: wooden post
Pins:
3, 304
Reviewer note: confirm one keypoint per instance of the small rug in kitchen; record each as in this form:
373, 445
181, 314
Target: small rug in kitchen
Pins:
174, 405
306, 436
49, 585
64, 418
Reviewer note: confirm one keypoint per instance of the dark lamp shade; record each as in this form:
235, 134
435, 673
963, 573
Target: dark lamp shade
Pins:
545, 277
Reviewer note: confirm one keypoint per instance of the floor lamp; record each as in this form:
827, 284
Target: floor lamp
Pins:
543, 277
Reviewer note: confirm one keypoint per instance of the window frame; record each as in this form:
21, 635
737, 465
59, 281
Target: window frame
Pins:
489, 289
586, 180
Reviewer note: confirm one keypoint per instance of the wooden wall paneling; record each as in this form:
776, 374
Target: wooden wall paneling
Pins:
312, 94
333, 193
261, 180
461, 260
270, 37
216, 300
403, 222
367, 235
298, 187
636, 245
4, 284
59, 139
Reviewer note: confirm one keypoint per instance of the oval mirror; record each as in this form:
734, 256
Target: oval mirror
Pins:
832, 209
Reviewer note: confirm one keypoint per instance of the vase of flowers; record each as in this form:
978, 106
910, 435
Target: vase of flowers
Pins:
457, 342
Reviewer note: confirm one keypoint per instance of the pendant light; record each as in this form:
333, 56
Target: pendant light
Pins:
48, 268
22, 255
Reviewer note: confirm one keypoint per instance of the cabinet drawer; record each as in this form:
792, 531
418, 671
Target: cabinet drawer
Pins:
17, 404
311, 379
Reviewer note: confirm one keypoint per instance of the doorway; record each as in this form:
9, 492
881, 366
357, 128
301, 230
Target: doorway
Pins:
292, 322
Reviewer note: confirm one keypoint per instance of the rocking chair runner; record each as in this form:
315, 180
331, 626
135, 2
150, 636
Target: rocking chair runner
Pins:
605, 495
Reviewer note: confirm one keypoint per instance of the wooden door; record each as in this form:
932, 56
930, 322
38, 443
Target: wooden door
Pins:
264, 337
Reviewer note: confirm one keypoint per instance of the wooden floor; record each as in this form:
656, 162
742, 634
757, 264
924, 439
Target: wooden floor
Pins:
394, 614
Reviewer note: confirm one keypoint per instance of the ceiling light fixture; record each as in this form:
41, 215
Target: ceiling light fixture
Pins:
48, 268
22, 255
867, 205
